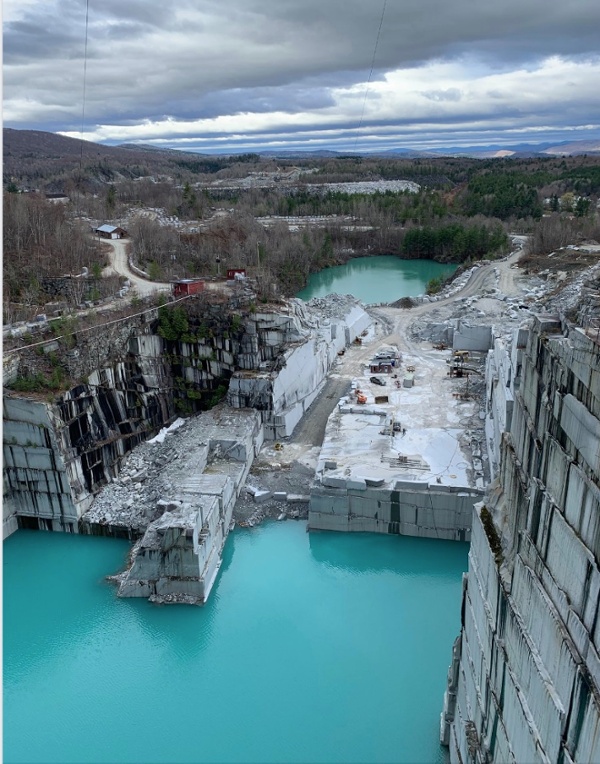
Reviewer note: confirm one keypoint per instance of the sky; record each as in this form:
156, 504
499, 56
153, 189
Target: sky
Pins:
348, 75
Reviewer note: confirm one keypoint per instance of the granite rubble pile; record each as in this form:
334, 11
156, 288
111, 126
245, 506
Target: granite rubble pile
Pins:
179, 490
333, 306
149, 475
366, 187
274, 489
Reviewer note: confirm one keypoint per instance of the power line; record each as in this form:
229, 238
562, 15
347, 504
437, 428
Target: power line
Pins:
370, 73
87, 16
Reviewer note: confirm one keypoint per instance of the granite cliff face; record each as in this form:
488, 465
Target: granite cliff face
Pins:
139, 373
524, 683
84, 460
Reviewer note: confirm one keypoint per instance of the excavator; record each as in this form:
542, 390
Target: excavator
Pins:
360, 397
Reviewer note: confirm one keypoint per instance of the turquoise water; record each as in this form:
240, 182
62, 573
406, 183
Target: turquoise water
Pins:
313, 648
384, 278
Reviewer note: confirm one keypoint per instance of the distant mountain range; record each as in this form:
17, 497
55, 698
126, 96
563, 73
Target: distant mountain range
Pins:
44, 145
51, 162
519, 150
565, 148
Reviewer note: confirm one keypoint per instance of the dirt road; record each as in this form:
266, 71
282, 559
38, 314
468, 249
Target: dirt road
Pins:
119, 264
311, 429
478, 280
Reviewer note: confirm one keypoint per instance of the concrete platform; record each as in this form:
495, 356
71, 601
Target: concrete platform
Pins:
409, 465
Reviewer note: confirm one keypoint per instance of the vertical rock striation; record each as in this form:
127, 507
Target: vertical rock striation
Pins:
285, 356
524, 683
139, 372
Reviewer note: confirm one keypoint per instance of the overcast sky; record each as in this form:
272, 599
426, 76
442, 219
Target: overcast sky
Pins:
237, 75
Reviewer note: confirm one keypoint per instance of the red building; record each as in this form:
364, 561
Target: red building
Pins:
185, 287
233, 272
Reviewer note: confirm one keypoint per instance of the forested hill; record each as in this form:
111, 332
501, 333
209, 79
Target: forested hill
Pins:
34, 159
55, 163
51, 162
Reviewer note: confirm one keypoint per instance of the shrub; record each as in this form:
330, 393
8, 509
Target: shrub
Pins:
492, 535
29, 383
172, 323
434, 285
218, 395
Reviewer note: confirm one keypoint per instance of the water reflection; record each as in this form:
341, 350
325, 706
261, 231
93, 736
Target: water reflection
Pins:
77, 610
54, 620
371, 553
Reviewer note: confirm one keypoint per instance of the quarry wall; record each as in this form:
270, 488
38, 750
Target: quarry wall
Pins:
308, 346
524, 683
424, 509
137, 374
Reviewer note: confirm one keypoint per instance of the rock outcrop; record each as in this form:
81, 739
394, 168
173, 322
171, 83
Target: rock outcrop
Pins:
198, 472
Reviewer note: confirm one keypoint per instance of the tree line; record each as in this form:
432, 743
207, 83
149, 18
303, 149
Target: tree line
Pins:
42, 241
288, 257
455, 242
462, 212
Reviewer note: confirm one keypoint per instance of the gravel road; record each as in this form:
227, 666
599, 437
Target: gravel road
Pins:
311, 430
119, 264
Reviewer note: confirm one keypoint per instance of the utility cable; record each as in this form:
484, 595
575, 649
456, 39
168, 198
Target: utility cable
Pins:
370, 73
87, 16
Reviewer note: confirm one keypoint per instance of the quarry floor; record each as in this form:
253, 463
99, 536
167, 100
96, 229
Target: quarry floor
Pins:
497, 293
289, 466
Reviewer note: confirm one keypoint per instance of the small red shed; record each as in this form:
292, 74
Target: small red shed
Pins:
185, 287
233, 272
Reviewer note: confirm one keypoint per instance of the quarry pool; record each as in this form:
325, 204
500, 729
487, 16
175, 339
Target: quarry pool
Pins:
316, 647
384, 278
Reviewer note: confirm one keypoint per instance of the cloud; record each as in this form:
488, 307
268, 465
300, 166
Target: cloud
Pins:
260, 68
450, 94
